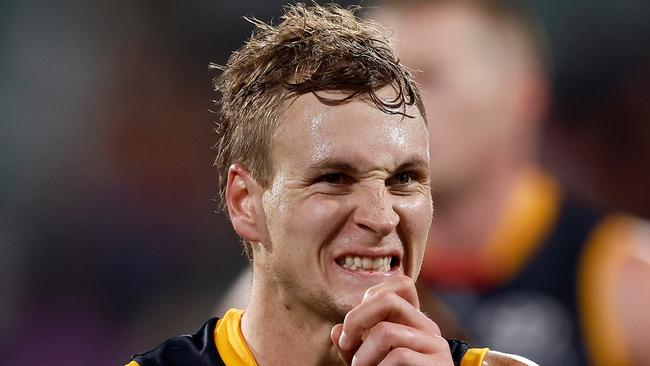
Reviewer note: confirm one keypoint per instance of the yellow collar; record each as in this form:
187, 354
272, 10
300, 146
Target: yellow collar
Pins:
230, 342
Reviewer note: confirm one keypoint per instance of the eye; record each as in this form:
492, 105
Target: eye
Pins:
335, 178
402, 178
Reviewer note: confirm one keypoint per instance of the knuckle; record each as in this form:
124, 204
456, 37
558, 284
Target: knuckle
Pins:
436, 330
407, 281
439, 345
432, 326
384, 330
386, 296
371, 292
399, 356
442, 343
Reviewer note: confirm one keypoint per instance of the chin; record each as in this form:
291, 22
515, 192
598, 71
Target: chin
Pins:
341, 306
350, 300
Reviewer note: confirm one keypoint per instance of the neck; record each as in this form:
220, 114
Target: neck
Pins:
279, 334
467, 215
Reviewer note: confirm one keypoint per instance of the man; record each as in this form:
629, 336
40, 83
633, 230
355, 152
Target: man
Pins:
324, 161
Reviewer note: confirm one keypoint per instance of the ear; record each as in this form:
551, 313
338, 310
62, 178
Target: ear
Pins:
243, 198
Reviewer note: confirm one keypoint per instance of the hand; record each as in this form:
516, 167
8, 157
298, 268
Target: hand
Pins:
387, 328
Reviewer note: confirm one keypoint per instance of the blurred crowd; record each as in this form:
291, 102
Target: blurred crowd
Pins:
109, 236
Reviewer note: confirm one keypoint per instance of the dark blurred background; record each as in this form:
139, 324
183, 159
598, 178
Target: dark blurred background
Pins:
109, 236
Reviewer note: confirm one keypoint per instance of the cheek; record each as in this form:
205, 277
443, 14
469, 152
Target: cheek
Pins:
315, 219
416, 217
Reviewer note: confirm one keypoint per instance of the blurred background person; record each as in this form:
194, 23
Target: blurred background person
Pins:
521, 263
108, 234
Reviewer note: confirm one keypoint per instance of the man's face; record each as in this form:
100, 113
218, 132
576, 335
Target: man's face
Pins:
349, 205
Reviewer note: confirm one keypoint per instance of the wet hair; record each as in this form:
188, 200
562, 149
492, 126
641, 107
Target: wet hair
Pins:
314, 48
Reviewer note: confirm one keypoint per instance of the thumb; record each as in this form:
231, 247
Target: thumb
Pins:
335, 334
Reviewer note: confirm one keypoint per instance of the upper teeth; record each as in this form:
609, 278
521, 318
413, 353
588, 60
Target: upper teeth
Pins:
381, 264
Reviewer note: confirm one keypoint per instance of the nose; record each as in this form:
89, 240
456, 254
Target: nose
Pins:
374, 211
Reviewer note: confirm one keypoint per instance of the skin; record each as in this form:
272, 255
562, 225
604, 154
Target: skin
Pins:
349, 180
633, 293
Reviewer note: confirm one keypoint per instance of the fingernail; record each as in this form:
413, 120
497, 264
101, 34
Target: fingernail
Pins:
344, 341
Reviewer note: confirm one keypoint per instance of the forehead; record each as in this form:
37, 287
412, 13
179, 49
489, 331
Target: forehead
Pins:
449, 29
357, 131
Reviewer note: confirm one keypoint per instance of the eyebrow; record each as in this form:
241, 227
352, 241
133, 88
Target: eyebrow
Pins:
338, 165
414, 163
332, 164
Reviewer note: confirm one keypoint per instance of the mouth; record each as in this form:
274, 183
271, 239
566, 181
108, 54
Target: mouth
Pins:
376, 264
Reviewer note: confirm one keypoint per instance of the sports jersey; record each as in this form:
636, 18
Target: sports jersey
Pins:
538, 288
219, 342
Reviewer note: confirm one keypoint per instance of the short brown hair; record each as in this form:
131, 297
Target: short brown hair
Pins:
314, 48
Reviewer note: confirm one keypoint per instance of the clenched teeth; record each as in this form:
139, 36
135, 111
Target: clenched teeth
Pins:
381, 264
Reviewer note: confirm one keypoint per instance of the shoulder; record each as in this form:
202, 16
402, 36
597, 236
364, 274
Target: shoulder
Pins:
194, 349
615, 291
631, 290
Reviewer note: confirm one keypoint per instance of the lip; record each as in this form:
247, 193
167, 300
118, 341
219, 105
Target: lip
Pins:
369, 252
366, 274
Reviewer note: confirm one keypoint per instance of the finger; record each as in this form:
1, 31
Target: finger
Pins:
386, 336
335, 335
383, 306
403, 286
407, 357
